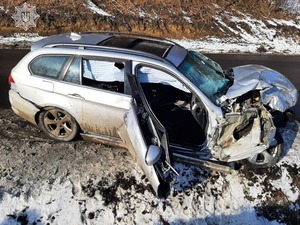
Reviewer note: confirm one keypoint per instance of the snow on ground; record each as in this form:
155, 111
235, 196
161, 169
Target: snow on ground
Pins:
48, 182
96, 9
229, 45
258, 38
22, 40
85, 183
278, 45
249, 35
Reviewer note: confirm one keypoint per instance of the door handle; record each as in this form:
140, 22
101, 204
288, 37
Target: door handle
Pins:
75, 95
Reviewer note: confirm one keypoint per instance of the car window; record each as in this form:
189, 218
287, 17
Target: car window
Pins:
152, 75
73, 73
103, 74
48, 66
205, 74
102, 70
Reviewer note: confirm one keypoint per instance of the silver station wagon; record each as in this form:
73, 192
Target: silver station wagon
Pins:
162, 102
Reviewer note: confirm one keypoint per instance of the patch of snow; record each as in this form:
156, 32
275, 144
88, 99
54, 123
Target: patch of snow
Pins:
3, 8
186, 17
292, 146
258, 30
91, 5
222, 202
142, 13
232, 45
279, 45
220, 21
49, 205
289, 23
20, 37
85, 190
272, 23
250, 36
284, 184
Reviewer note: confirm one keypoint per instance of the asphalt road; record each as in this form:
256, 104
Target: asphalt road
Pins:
8, 59
287, 65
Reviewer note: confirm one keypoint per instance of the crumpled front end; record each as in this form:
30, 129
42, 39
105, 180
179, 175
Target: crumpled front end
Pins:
246, 129
276, 90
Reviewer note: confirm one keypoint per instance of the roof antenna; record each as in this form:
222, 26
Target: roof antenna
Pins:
75, 36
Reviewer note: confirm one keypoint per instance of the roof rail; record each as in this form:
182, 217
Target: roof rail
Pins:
109, 49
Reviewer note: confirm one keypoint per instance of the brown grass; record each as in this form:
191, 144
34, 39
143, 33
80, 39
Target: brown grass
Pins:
161, 17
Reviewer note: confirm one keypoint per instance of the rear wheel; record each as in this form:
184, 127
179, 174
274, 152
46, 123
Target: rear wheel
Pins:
267, 158
58, 124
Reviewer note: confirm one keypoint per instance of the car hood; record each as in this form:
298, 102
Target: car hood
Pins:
276, 90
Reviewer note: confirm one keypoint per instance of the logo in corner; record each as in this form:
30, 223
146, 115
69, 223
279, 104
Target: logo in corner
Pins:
25, 16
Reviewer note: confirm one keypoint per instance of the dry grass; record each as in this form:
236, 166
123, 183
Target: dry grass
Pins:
39, 3
166, 18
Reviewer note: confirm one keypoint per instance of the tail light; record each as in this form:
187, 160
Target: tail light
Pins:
10, 80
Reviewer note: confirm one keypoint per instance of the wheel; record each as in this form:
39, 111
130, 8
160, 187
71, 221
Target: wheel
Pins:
267, 158
58, 124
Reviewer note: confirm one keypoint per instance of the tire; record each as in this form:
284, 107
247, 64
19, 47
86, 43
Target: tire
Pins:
280, 119
58, 124
267, 158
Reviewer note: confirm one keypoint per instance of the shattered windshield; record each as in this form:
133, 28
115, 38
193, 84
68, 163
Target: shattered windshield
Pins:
206, 74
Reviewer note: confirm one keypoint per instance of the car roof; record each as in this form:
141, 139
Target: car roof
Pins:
163, 48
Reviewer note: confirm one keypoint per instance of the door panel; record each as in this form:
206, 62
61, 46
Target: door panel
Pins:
143, 129
36, 89
96, 111
132, 133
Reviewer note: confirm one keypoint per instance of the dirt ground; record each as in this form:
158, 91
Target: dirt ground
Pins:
31, 162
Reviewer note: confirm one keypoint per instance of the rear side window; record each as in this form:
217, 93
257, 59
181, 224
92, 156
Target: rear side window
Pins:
48, 66
73, 73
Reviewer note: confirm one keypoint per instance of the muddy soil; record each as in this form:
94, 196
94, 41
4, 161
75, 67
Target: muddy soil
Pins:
111, 180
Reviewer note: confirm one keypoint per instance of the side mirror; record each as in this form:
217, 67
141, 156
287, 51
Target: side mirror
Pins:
153, 154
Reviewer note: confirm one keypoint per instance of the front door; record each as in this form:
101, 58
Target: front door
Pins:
143, 130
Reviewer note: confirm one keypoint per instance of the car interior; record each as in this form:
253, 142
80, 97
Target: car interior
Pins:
172, 107
168, 98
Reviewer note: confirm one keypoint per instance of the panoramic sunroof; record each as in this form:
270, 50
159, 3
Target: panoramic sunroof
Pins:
154, 47
118, 42
149, 46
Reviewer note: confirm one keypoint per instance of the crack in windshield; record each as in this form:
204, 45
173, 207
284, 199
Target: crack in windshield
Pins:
206, 74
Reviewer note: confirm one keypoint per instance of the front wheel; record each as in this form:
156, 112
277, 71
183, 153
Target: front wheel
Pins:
268, 157
58, 124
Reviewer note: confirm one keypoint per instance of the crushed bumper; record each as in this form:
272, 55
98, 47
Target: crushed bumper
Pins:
22, 107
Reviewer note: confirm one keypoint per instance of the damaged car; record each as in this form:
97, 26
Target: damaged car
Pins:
162, 102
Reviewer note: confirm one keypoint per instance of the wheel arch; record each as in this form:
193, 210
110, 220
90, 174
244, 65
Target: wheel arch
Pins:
44, 108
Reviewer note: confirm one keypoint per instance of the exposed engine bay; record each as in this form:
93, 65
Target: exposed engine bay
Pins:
247, 124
